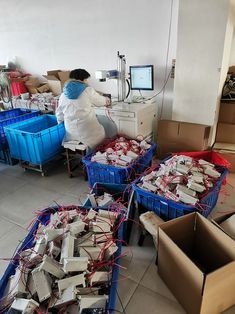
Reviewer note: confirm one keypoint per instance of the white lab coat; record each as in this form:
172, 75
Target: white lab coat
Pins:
80, 119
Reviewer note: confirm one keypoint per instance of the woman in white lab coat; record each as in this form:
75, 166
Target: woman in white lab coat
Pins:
76, 110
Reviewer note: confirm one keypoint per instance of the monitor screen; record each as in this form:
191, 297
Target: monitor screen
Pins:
141, 77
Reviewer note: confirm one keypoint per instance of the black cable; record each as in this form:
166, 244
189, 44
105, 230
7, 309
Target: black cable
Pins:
160, 89
167, 56
129, 88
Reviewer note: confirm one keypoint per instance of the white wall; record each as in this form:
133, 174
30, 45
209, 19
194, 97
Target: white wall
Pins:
201, 39
59, 34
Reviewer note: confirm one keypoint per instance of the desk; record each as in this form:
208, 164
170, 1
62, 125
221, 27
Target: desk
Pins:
132, 119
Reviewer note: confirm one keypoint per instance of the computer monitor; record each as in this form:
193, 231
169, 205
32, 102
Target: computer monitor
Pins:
141, 77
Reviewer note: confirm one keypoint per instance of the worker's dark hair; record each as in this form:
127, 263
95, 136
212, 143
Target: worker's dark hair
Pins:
79, 74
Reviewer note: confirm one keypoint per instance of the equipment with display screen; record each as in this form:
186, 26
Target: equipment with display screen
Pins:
141, 77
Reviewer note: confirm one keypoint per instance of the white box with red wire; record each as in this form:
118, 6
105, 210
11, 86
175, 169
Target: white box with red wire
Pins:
119, 160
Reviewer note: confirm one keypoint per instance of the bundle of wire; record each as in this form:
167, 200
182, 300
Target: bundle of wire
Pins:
74, 253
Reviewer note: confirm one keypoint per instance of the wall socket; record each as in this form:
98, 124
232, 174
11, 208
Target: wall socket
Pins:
173, 68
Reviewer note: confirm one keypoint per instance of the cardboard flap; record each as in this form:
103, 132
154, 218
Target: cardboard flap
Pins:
54, 73
51, 77
219, 290
64, 76
182, 234
228, 147
175, 267
218, 220
225, 245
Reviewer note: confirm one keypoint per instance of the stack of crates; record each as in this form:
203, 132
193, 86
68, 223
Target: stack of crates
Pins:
7, 118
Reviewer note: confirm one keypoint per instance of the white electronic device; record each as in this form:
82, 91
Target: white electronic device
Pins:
131, 119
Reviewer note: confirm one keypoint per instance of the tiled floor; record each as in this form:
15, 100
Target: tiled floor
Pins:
140, 288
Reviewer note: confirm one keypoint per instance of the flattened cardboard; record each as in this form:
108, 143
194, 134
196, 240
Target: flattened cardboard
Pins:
225, 133
227, 112
187, 245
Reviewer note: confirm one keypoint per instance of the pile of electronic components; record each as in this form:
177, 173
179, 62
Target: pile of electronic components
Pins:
181, 179
69, 267
121, 152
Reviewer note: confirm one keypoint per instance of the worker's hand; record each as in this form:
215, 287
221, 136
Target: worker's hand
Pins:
107, 102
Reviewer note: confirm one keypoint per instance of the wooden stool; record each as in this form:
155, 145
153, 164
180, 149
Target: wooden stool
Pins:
74, 152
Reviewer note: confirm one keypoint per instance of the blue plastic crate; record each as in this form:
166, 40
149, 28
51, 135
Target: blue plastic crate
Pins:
28, 243
37, 140
109, 174
13, 116
167, 209
121, 193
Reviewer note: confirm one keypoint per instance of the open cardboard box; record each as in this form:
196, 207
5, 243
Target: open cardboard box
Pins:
56, 80
197, 262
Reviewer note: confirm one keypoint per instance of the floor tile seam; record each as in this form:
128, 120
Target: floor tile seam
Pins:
15, 176
124, 310
9, 193
55, 191
14, 223
67, 194
156, 292
138, 284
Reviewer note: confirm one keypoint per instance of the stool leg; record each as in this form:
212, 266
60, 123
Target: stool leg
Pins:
68, 163
84, 167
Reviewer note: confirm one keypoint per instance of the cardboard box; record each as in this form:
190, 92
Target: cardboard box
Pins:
164, 149
56, 80
197, 262
231, 69
227, 151
227, 112
176, 136
225, 133
218, 220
